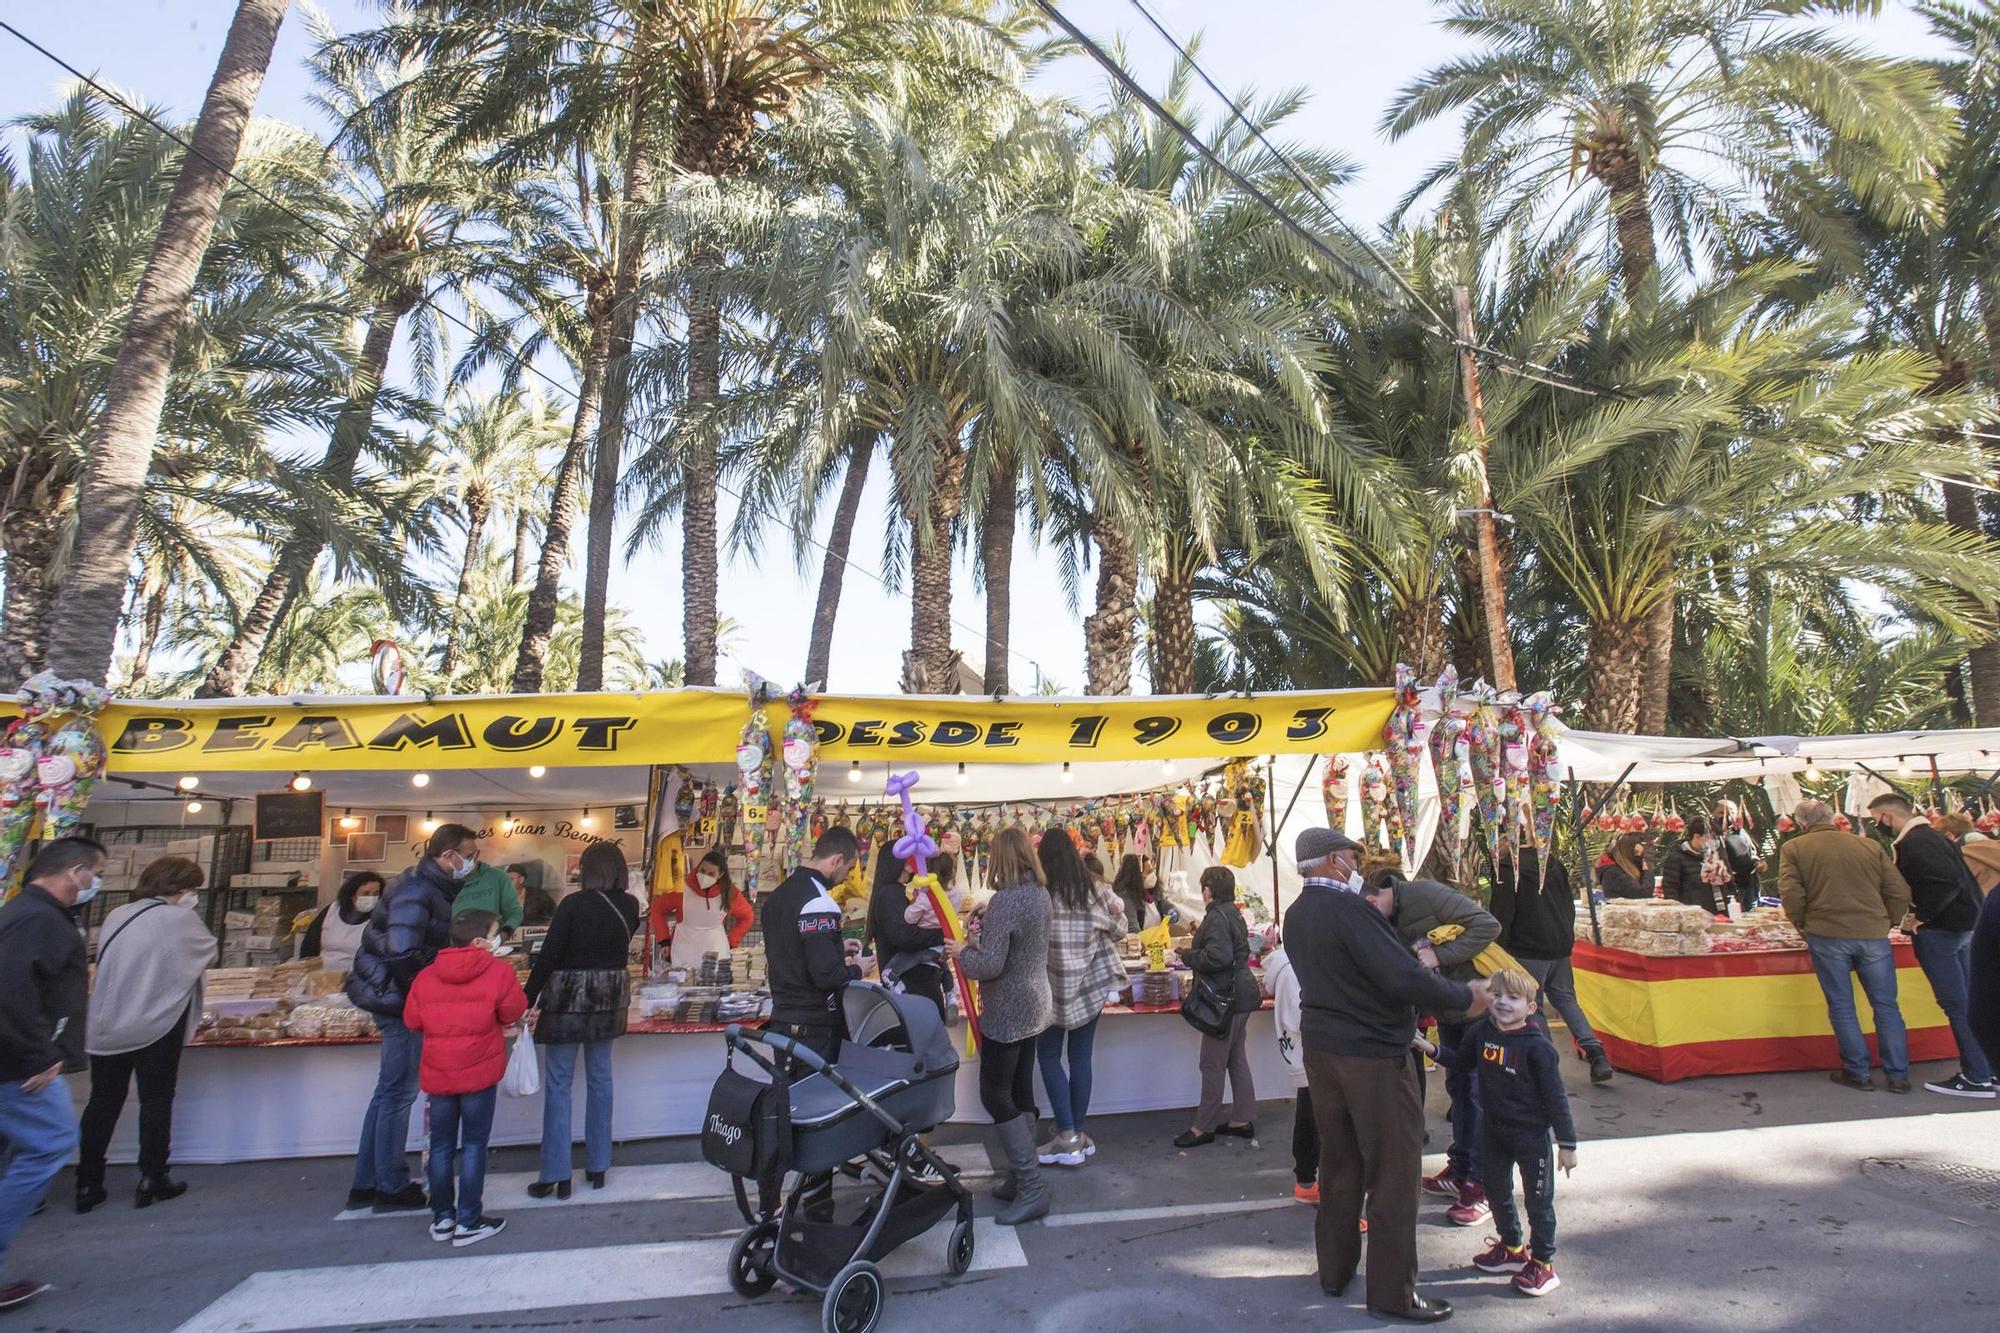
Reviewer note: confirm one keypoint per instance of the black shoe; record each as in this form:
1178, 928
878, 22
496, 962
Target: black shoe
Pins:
405, 1200
1190, 1139
158, 1189
1899, 1085
542, 1189
1847, 1080
1247, 1130
360, 1199
596, 1178
1423, 1310
1600, 1068
89, 1196
1338, 1291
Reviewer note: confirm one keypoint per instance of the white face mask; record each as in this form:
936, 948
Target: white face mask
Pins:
471, 863
497, 949
89, 891
1354, 880
365, 902
191, 901
708, 879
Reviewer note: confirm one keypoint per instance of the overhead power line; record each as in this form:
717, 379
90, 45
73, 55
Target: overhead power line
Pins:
428, 299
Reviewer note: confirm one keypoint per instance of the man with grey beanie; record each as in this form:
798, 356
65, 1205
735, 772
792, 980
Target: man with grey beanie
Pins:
1359, 992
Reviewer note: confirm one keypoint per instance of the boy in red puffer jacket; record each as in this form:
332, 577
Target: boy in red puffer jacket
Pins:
465, 1004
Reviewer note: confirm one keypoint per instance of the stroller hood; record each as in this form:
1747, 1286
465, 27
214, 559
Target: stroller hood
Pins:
875, 1013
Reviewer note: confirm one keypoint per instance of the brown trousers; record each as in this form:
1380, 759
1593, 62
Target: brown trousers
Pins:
1371, 1134
1226, 1054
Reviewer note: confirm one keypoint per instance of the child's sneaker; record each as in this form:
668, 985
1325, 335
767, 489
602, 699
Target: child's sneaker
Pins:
1307, 1193
1537, 1279
1500, 1257
484, 1229
1471, 1208
443, 1227
1445, 1184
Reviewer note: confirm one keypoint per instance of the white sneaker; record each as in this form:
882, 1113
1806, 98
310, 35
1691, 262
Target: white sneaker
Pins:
1958, 1085
1065, 1149
1089, 1147
442, 1228
484, 1229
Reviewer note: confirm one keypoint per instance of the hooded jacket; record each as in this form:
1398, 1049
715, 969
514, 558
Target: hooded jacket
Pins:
461, 1003
1283, 981
411, 924
1422, 905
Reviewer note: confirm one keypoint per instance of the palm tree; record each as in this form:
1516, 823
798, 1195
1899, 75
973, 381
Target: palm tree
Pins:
93, 592
407, 208
77, 223
1677, 110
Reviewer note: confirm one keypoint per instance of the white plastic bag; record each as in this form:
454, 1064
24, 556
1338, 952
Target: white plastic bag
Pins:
524, 1076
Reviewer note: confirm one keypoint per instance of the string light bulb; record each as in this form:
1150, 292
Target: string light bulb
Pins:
587, 821
1902, 766
349, 821
430, 822
1812, 773
420, 779
189, 782
962, 779
1166, 768
538, 770
507, 825
1067, 776
194, 807
854, 771
302, 782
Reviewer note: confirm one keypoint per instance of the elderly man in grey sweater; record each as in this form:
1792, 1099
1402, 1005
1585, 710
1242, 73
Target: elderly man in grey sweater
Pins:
1416, 907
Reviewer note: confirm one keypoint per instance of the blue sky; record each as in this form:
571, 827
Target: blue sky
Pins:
1350, 54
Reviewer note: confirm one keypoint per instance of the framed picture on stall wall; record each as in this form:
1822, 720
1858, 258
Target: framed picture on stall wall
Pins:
396, 828
573, 869
367, 848
336, 836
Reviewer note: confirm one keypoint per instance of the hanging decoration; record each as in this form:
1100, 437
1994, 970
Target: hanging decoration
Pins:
753, 791
801, 752
1544, 765
50, 764
1484, 747
1454, 771
1516, 798
1406, 736
918, 847
1333, 791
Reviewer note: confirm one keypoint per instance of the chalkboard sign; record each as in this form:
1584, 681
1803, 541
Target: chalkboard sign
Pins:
290, 814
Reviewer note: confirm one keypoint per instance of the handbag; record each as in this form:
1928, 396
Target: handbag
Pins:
1205, 1008
524, 1076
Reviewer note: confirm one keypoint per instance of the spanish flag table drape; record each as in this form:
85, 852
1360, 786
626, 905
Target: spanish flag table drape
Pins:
1735, 1013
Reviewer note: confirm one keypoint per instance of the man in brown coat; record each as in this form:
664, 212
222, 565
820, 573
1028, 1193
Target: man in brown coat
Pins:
1844, 895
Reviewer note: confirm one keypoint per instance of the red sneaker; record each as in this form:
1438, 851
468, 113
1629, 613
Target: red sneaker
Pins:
1537, 1279
1445, 1184
1307, 1193
20, 1293
1500, 1257
1471, 1208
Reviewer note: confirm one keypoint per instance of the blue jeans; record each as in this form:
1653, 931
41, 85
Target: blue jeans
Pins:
558, 1075
39, 1131
1501, 1152
1875, 962
382, 1162
1946, 957
1463, 1089
1069, 1093
460, 1126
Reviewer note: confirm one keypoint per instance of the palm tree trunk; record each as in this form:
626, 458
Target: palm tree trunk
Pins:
539, 622
1657, 672
996, 563
475, 529
834, 568
930, 569
700, 561
1173, 636
1984, 659
1618, 170
1108, 631
31, 538
152, 619
239, 662
603, 522
524, 531
1492, 572
1419, 628
1615, 653
93, 592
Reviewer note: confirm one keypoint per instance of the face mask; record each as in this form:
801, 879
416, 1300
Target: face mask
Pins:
1151, 881
499, 950
191, 901
1354, 880
365, 902
708, 879
467, 868
89, 890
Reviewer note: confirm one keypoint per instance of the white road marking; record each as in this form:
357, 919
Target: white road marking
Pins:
1166, 1212
446, 1288
672, 1182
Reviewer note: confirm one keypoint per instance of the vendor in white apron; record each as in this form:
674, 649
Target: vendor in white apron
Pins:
335, 933
707, 916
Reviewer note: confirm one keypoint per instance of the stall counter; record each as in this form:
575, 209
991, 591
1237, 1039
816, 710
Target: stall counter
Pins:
1670, 1018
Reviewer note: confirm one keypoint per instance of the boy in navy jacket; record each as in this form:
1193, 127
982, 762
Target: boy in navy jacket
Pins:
1523, 1107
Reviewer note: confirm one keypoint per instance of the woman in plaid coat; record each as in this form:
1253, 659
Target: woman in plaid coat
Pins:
1085, 974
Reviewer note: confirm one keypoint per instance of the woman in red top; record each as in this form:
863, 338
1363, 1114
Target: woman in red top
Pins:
708, 915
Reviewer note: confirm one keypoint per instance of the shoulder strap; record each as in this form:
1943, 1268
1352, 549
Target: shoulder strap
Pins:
611, 907
121, 927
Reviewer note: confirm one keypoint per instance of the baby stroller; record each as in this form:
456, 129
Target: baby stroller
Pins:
861, 1114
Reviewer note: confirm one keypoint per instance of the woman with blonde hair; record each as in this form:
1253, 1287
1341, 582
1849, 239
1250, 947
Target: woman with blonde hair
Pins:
1010, 961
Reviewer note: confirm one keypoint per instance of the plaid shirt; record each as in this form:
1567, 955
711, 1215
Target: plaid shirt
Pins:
1084, 969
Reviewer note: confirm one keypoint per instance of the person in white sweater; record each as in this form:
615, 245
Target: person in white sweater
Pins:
1283, 984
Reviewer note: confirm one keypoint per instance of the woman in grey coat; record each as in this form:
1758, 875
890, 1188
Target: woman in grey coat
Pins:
1010, 961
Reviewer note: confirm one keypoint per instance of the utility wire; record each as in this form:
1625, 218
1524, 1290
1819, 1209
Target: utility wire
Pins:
428, 299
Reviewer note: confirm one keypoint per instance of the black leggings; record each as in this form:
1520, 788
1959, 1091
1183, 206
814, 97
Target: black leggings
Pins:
158, 1069
1007, 1079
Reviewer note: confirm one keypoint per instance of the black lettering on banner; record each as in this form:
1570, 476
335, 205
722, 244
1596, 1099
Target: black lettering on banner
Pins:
1153, 730
1003, 734
238, 731
600, 733
1308, 724
445, 733
1234, 728
1087, 730
906, 734
317, 729
865, 733
154, 735
955, 733
512, 733
829, 732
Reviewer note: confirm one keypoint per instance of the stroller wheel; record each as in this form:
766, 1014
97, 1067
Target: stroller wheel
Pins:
853, 1300
748, 1257
958, 1250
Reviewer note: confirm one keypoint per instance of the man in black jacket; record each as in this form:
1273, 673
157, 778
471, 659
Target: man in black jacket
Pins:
410, 925
1944, 899
1359, 991
1537, 911
44, 991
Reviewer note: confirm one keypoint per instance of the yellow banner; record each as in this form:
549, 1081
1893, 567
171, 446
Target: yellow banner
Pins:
1041, 731
1697, 1009
559, 730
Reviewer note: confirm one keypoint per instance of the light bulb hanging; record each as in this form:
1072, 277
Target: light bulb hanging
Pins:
189, 782
430, 822
194, 807
587, 821
1067, 776
302, 782
962, 779
538, 770
420, 779
854, 771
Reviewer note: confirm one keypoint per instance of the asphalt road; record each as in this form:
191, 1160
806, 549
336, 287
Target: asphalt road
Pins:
1774, 1201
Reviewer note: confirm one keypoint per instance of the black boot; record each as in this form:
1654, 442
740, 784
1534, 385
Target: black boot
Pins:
89, 1188
158, 1189
1600, 1068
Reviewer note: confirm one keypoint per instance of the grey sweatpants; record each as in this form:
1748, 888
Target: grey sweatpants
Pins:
1219, 1054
